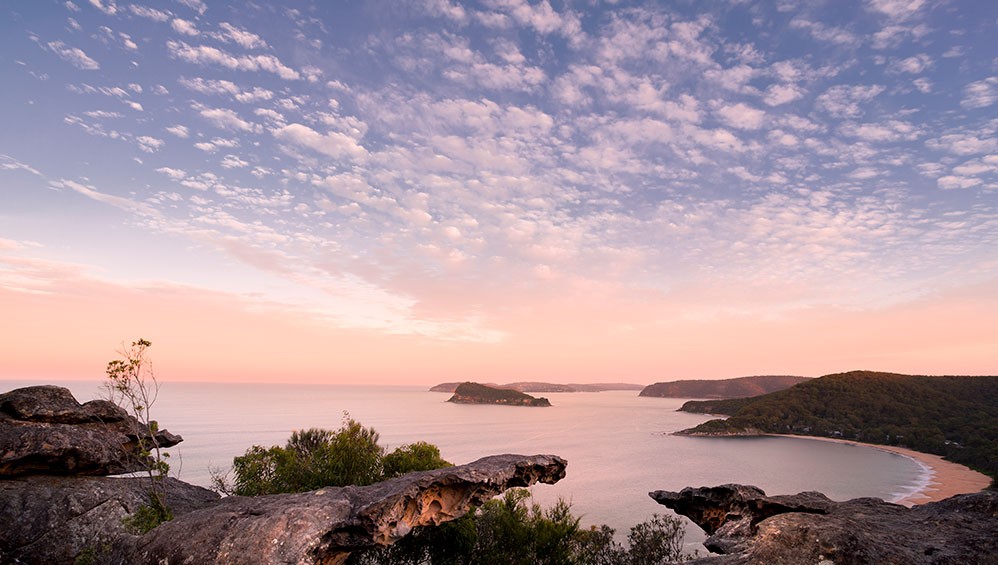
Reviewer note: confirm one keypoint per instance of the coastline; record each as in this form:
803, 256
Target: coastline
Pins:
943, 478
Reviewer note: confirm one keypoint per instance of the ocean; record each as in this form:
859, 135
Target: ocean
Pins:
618, 445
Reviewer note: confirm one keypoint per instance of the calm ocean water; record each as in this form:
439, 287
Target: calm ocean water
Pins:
618, 445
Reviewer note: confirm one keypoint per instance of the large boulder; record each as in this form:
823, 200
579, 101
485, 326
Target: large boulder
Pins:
746, 526
326, 525
48, 519
45, 431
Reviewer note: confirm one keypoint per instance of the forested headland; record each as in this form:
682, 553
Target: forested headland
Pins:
952, 416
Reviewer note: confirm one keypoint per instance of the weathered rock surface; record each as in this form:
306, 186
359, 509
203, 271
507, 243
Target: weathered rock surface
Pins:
746, 526
324, 526
45, 431
48, 519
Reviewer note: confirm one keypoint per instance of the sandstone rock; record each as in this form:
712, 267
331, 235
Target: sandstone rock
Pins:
44, 430
746, 526
49, 519
324, 526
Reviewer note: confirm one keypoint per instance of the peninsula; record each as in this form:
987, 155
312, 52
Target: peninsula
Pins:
474, 393
725, 388
955, 417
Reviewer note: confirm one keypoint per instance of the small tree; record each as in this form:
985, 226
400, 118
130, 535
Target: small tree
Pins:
132, 385
658, 540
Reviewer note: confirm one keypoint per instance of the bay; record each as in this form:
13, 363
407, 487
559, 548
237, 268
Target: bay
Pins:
618, 445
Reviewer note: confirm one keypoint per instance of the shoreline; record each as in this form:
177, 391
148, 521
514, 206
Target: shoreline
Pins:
943, 478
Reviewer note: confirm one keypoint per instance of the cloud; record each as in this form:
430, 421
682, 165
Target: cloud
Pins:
179, 131
898, 10
184, 27
233, 162
950, 182
149, 144
205, 55
110, 199
981, 93
334, 144
915, 64
150, 13
541, 17
175, 174
846, 101
245, 39
227, 119
890, 130
209, 86
73, 55
778, 94
256, 95
923, 85
107, 7
447, 9
822, 32
8, 163
196, 5
964, 143
742, 116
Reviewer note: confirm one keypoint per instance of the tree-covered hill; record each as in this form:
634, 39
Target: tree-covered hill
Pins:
474, 393
956, 417
724, 388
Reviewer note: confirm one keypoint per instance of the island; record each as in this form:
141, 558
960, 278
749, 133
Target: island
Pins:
535, 386
725, 388
475, 393
955, 417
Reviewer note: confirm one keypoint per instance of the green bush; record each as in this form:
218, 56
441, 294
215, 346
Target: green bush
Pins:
316, 458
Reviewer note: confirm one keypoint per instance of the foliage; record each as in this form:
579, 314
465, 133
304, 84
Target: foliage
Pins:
98, 552
147, 517
316, 458
511, 530
956, 417
419, 456
132, 385
659, 540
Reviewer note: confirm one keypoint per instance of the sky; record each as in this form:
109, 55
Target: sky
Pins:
412, 192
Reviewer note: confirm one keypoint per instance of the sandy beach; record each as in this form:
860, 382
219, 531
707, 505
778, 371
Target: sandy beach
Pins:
946, 478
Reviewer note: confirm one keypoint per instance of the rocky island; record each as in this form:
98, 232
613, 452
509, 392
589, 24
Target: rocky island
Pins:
474, 393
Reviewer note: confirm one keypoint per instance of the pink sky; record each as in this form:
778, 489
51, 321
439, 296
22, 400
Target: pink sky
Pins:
72, 328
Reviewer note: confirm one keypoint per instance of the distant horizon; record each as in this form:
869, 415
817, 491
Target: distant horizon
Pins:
167, 381
353, 192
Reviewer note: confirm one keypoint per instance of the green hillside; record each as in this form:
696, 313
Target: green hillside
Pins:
724, 388
956, 417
